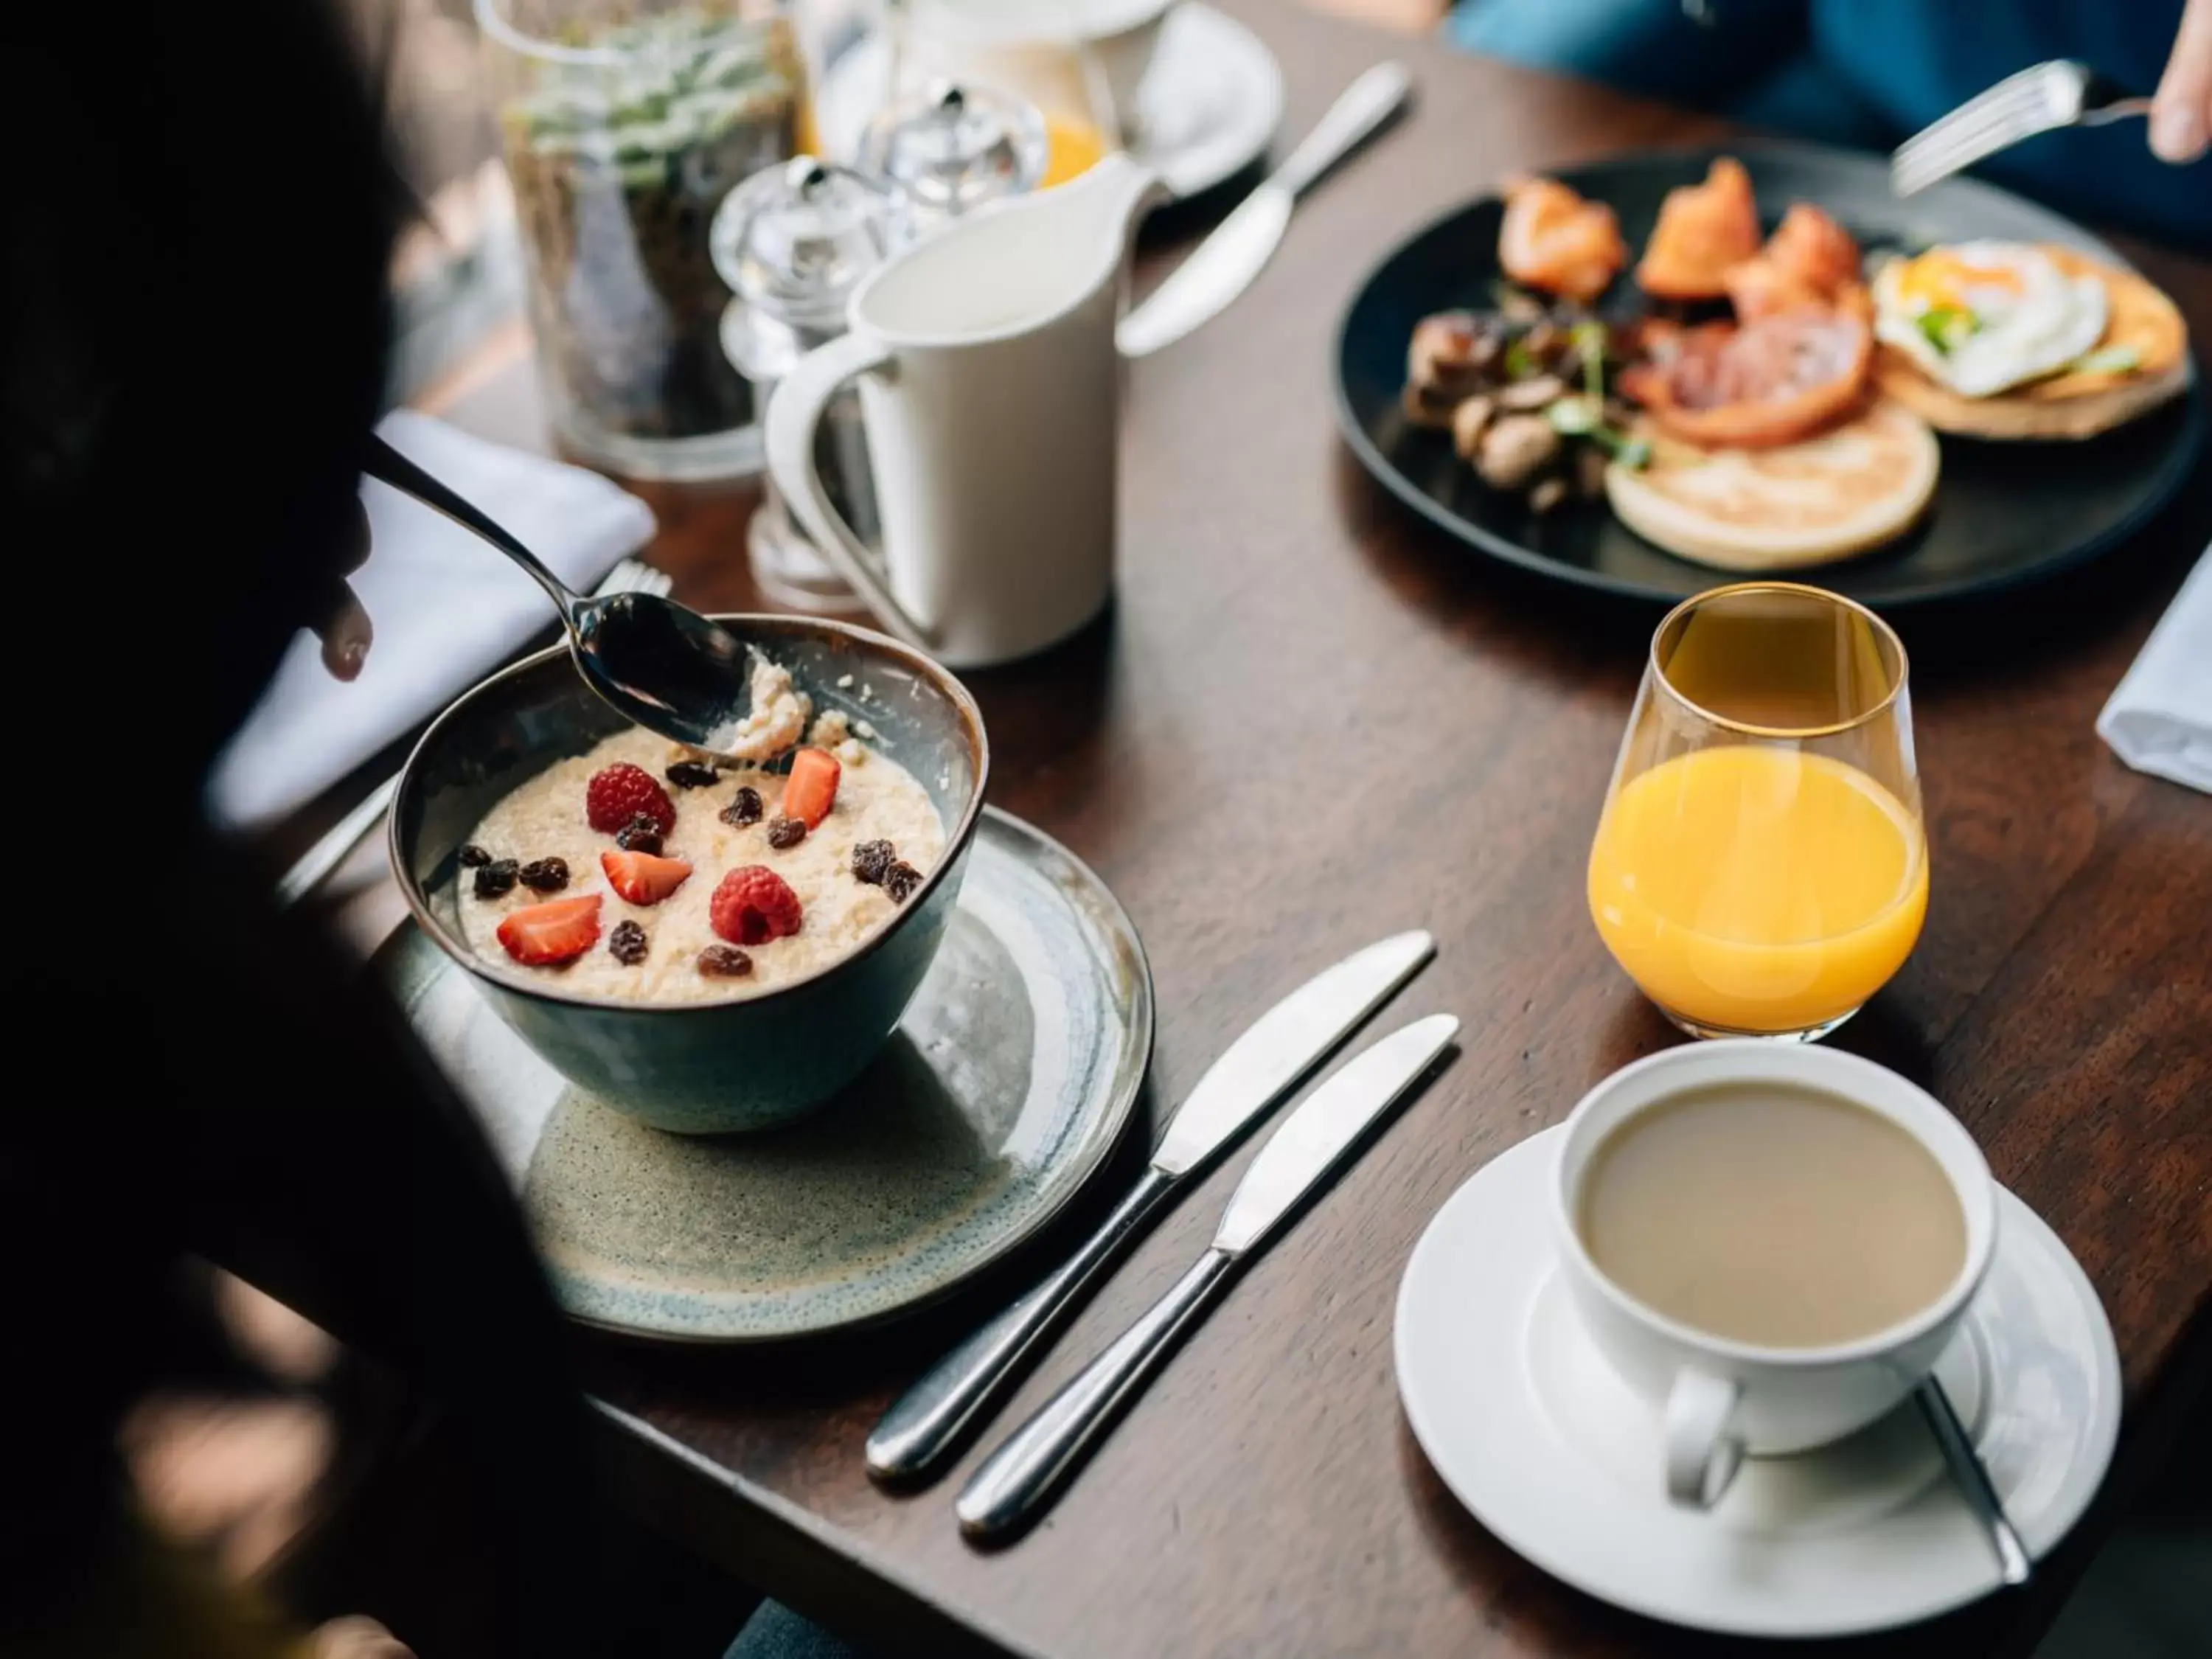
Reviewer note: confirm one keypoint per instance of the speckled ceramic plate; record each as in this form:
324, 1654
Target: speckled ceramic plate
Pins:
1014, 1072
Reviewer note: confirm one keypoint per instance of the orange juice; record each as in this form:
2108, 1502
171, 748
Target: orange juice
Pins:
1754, 889
1071, 146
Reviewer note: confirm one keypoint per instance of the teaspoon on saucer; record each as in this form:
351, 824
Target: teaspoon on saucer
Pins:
658, 663
1973, 1480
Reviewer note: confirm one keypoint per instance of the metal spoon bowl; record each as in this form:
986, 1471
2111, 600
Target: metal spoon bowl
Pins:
657, 662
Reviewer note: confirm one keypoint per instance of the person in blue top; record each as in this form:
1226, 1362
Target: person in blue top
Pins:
1871, 73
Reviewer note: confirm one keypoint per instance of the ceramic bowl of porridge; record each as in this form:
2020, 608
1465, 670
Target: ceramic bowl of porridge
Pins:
708, 947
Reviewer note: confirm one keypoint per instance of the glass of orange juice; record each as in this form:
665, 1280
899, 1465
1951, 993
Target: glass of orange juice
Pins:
1760, 868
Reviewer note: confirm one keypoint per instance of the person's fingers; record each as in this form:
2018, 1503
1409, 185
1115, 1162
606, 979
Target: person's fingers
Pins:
346, 634
356, 1637
2181, 115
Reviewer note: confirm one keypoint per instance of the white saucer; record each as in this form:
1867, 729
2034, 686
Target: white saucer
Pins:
1208, 107
1532, 1430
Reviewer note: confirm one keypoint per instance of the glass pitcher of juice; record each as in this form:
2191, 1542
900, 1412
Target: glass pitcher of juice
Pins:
1760, 868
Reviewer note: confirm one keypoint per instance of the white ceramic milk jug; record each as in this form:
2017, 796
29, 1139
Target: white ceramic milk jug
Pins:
990, 390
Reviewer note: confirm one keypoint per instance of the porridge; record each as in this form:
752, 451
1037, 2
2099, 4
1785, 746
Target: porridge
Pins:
638, 872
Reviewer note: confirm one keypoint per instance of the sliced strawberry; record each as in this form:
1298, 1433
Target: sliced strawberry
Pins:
538, 935
811, 789
622, 792
643, 879
753, 905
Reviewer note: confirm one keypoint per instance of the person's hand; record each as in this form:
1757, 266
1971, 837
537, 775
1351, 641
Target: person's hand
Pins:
356, 1637
344, 626
2181, 115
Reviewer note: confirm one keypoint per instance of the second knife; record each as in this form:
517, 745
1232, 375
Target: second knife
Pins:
1013, 1486
931, 1421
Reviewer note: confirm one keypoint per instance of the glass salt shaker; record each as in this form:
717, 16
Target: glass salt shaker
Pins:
792, 242
954, 148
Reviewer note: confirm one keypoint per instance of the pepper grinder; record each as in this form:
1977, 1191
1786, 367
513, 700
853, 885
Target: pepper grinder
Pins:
792, 242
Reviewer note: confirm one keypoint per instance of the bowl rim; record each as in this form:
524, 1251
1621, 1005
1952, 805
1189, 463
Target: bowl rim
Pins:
955, 843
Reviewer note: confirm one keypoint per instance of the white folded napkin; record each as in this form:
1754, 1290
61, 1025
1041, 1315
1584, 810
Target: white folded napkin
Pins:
2160, 719
446, 609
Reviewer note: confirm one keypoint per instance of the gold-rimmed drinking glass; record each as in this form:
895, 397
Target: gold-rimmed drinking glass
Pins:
1760, 868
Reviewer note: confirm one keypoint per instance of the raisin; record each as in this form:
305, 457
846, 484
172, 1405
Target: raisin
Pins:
495, 877
474, 856
546, 875
691, 775
784, 833
627, 944
744, 807
725, 962
871, 858
900, 880
640, 834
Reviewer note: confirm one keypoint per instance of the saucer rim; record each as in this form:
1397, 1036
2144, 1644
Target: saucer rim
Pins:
2099, 1448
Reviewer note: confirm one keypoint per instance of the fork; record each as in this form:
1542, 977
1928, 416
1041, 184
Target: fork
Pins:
316, 863
2040, 98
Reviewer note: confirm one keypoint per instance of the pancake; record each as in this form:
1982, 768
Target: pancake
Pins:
2073, 404
1852, 488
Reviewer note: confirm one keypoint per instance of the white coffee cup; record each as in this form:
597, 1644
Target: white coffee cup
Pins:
990, 394
1721, 1400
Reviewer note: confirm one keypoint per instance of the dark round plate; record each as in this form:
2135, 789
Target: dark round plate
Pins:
2004, 513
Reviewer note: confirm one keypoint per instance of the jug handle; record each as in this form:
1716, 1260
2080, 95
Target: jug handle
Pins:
795, 409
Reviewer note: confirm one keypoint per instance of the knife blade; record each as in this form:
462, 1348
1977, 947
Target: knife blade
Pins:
1223, 266
931, 1421
1017, 1482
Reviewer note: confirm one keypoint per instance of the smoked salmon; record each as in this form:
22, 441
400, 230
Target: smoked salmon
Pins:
1810, 262
1553, 239
1704, 231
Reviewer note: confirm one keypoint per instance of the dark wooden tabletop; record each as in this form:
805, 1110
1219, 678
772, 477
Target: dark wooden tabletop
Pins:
1311, 721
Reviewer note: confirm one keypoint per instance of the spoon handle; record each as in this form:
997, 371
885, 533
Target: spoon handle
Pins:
1973, 1481
387, 464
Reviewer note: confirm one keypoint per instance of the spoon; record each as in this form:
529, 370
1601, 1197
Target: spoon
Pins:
656, 662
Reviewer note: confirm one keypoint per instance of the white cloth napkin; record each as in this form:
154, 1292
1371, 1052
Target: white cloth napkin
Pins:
446, 609
2160, 719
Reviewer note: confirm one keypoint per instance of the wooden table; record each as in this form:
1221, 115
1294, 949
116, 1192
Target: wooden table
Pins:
1311, 721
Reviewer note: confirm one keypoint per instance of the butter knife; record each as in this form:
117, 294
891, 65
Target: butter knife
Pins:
932, 1419
1015, 1484
1223, 266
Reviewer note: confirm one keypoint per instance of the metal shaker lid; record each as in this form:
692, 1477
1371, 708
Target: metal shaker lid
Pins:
794, 241
956, 147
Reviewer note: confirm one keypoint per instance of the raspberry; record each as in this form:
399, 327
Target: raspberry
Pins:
623, 791
753, 905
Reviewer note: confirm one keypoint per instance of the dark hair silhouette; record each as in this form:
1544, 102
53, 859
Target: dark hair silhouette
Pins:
198, 218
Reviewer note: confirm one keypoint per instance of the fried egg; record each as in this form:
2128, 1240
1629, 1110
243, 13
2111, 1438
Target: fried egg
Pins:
1979, 317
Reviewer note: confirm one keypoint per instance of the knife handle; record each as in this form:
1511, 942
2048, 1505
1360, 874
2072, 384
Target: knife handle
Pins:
1359, 109
932, 1419
1017, 1482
